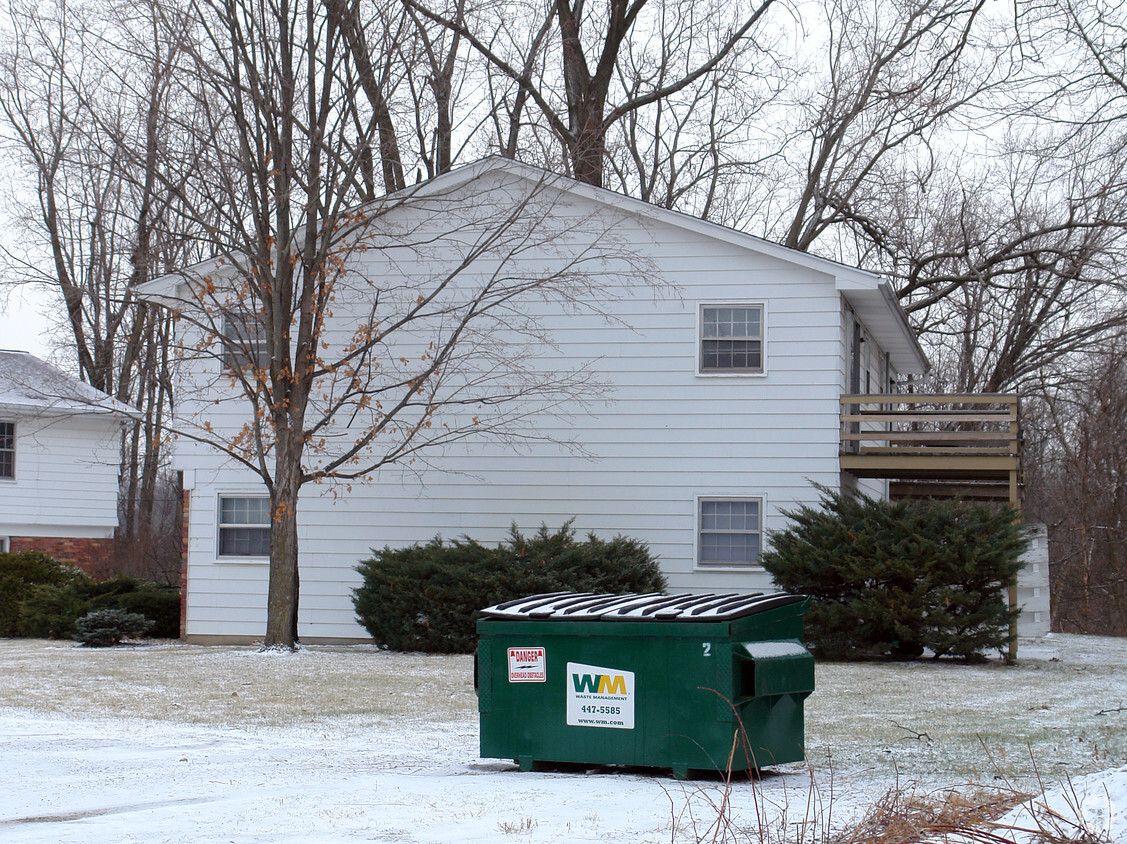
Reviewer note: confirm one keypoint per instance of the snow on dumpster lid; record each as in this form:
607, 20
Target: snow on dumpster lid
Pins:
653, 606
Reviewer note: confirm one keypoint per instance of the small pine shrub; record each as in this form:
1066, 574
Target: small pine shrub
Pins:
894, 578
426, 597
22, 571
106, 628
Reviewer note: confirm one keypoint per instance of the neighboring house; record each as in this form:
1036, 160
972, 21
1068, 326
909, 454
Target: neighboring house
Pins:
59, 464
1033, 584
723, 377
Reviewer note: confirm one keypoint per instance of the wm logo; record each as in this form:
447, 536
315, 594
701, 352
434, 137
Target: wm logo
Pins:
601, 684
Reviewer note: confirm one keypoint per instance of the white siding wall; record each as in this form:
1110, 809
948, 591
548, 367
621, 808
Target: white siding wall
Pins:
1033, 585
663, 436
66, 476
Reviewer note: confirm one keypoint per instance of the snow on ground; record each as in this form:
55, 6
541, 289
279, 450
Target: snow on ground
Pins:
1095, 804
178, 743
68, 780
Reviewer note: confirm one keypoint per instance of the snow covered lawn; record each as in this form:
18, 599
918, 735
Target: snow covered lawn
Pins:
175, 742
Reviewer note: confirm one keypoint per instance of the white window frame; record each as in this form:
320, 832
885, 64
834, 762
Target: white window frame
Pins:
699, 501
12, 451
759, 372
241, 346
4, 546
219, 526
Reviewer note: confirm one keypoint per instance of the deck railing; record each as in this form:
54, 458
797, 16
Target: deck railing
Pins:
972, 438
984, 423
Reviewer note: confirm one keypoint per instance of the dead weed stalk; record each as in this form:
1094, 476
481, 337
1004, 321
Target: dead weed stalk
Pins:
969, 814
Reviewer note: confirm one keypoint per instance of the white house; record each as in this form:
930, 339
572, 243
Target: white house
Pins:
721, 357
59, 464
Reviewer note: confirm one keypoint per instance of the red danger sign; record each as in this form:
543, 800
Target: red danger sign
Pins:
527, 665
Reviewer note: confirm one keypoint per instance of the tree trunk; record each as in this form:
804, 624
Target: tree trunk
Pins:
282, 596
589, 149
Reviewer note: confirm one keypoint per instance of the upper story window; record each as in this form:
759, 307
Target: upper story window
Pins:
729, 531
244, 526
244, 342
731, 339
7, 450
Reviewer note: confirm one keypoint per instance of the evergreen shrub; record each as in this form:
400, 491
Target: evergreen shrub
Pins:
106, 628
426, 597
22, 571
52, 611
43, 598
159, 603
894, 578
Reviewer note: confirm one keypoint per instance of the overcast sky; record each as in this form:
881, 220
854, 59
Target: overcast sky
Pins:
23, 325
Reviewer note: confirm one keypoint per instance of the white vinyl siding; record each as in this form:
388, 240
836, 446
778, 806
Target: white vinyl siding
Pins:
730, 531
652, 435
7, 451
66, 476
244, 526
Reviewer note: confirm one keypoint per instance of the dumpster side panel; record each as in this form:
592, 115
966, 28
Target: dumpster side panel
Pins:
774, 731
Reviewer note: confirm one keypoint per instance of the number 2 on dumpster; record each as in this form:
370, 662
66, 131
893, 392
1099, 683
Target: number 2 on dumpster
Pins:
707, 648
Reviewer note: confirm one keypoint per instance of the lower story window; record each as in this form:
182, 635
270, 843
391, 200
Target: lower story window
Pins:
3, 545
244, 526
729, 531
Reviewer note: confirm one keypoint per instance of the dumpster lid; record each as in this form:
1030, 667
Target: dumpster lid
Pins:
652, 606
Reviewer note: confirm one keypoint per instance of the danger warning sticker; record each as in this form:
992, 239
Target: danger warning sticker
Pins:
527, 665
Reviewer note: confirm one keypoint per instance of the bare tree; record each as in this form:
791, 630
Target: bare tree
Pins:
440, 49
575, 98
327, 360
1013, 269
704, 148
378, 77
1078, 487
85, 120
889, 81
411, 72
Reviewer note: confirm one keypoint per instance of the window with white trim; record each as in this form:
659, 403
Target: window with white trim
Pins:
8, 450
244, 342
244, 526
731, 339
729, 531
4, 548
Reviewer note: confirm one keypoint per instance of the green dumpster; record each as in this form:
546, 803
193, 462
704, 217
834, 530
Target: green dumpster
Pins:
689, 682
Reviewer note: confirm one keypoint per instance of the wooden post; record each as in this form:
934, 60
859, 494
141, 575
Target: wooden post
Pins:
1015, 502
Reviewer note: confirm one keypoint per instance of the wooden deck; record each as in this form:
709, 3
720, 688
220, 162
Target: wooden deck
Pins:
935, 446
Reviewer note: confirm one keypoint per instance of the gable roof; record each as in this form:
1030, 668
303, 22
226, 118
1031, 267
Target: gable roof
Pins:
871, 298
26, 382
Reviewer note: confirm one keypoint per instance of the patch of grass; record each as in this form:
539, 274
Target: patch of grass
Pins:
976, 719
236, 685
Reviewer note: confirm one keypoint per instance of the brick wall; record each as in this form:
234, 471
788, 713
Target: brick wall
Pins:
93, 556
